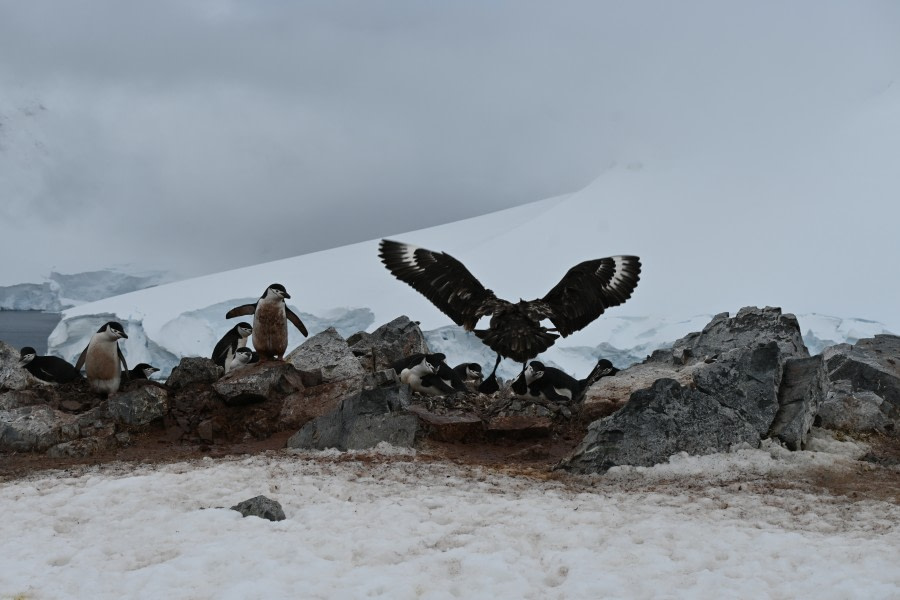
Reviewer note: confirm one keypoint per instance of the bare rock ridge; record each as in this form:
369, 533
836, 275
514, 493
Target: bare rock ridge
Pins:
738, 381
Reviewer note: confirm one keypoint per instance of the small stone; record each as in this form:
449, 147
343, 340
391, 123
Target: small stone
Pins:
262, 507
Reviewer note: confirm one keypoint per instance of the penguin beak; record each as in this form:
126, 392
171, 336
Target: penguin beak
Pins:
25, 360
122, 334
286, 295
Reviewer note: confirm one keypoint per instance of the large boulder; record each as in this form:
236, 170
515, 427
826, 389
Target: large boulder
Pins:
863, 385
270, 380
388, 344
35, 428
713, 389
361, 422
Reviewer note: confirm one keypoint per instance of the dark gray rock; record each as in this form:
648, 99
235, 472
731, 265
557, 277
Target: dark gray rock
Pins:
140, 405
657, 423
361, 422
328, 353
715, 388
262, 507
802, 392
388, 344
863, 381
193, 370
82, 447
270, 380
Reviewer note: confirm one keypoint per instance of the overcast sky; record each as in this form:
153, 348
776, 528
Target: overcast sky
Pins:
202, 136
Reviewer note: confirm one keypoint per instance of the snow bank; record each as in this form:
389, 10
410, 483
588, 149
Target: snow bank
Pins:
405, 528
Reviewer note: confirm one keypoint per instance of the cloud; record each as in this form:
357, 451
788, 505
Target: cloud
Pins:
211, 135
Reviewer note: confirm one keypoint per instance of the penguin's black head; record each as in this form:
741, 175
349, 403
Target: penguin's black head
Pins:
245, 353
277, 288
145, 369
474, 367
26, 355
244, 328
116, 328
604, 363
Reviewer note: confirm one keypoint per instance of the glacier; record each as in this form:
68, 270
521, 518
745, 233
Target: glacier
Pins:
65, 290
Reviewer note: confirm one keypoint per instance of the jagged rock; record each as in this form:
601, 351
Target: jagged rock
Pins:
383, 378
35, 428
853, 411
270, 380
750, 327
262, 507
448, 428
12, 376
193, 370
723, 389
864, 385
16, 398
141, 405
802, 392
361, 422
387, 344
328, 353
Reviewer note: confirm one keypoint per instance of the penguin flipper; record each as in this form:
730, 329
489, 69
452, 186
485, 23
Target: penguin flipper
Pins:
80, 362
240, 311
122, 360
293, 318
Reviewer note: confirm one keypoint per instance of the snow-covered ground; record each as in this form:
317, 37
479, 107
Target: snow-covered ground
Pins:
398, 526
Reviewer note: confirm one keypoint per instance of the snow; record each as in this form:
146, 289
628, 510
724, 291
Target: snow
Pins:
63, 290
397, 525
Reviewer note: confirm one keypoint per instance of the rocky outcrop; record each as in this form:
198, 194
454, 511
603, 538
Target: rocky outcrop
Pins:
361, 422
388, 344
863, 386
722, 386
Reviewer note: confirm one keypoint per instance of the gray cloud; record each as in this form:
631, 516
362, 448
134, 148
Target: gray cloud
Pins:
209, 135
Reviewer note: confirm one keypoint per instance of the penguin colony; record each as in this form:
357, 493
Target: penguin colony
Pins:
515, 330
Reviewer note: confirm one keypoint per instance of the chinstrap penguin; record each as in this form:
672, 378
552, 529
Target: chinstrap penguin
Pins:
470, 373
101, 359
270, 317
243, 356
420, 372
47, 368
515, 330
234, 338
142, 371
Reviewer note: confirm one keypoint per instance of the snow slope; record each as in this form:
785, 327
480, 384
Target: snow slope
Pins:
803, 221
698, 527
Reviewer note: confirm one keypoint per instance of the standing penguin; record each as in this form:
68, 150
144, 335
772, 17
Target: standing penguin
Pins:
270, 317
101, 359
235, 338
47, 368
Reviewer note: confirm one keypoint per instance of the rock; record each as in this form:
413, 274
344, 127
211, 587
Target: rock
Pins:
193, 370
328, 353
387, 344
802, 392
261, 507
361, 422
448, 428
16, 398
863, 385
12, 376
35, 428
383, 378
723, 388
270, 380
139, 406
87, 446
